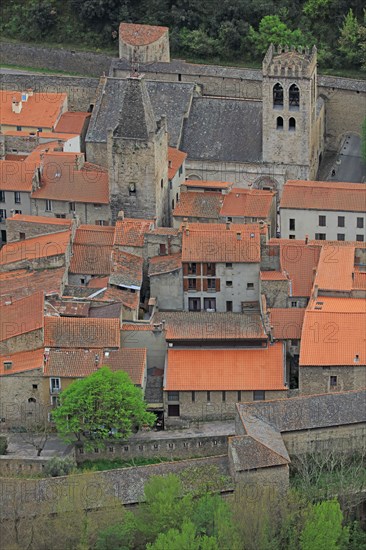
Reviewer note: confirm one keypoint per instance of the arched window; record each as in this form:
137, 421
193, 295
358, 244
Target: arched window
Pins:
277, 96
279, 123
292, 124
294, 98
32, 400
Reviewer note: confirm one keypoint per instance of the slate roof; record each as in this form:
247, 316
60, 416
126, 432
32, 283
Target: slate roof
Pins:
227, 130
136, 120
309, 412
126, 269
249, 454
167, 98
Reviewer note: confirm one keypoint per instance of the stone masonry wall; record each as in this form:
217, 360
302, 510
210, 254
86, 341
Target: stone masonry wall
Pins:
23, 342
316, 379
340, 438
15, 227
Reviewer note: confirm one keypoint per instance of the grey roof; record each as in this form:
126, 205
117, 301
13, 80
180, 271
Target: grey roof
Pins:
247, 454
219, 129
167, 98
109, 311
137, 119
310, 412
266, 434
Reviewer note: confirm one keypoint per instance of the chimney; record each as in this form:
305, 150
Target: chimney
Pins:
315, 293
30, 92
79, 161
228, 225
357, 358
16, 106
121, 216
187, 230
238, 236
306, 239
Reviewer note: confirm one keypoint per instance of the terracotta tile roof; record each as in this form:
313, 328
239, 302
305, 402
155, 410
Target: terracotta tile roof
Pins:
273, 276
140, 35
198, 205
254, 203
334, 333
175, 161
130, 360
16, 175
72, 122
21, 316
41, 219
219, 226
210, 184
43, 246
94, 235
98, 282
21, 283
41, 110
165, 264
287, 322
126, 269
67, 332
91, 260
132, 327
62, 181
131, 232
324, 195
225, 370
43, 148
107, 311
221, 246
72, 363
200, 325
301, 242
130, 300
21, 362
359, 282
335, 268
18, 158
69, 308
300, 261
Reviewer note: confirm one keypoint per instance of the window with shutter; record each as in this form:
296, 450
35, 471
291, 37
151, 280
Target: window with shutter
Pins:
185, 285
185, 269
204, 284
217, 285
198, 269
198, 284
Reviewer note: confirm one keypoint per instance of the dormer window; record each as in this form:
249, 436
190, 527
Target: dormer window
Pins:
8, 365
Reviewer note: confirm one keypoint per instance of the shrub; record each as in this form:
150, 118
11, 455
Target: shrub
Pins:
3, 445
58, 466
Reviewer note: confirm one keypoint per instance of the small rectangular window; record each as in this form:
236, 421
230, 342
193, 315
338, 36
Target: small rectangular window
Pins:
193, 396
341, 221
2, 196
19, 128
2, 214
72, 206
291, 236
173, 410
17, 197
360, 238
48, 205
360, 223
229, 283
17, 211
229, 305
292, 224
258, 395
320, 236
223, 396
192, 269
162, 249
250, 286
333, 381
208, 397
322, 221
173, 395
211, 284
341, 236
192, 284
229, 265
293, 304
239, 396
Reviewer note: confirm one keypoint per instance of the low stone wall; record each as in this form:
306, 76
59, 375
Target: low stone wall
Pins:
10, 466
58, 59
164, 447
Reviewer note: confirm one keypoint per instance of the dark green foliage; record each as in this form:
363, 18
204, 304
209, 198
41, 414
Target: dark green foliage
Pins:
59, 466
219, 30
3, 445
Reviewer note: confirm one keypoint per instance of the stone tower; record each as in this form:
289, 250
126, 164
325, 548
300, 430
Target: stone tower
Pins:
143, 43
290, 125
137, 151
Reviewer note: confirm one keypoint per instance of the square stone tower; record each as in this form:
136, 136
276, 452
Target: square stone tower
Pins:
137, 150
289, 92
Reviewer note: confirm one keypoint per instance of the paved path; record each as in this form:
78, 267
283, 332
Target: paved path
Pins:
348, 165
17, 447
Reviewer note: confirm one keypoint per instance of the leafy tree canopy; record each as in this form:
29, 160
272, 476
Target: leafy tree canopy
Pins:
273, 31
103, 406
323, 529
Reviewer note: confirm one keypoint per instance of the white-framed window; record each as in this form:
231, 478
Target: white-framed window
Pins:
48, 205
17, 197
55, 384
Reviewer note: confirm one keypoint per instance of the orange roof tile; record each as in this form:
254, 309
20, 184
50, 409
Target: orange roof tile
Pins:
94, 235
72, 363
98, 282
334, 333
21, 283
43, 148
254, 203
91, 260
130, 360
43, 246
69, 332
131, 327
273, 276
175, 161
359, 282
130, 300
72, 122
40, 219
221, 246
22, 361
131, 232
287, 322
16, 176
41, 110
62, 181
140, 35
165, 264
126, 270
210, 184
225, 370
300, 261
18, 158
335, 268
198, 205
21, 316
324, 195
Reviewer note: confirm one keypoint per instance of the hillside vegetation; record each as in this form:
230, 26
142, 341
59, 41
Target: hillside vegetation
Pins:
220, 31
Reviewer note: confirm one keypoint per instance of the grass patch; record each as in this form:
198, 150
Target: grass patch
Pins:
39, 70
102, 464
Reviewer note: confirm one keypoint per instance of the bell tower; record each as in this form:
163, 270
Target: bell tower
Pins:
289, 92
137, 151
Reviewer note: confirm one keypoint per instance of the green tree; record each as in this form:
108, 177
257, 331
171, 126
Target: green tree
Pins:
185, 539
323, 529
349, 41
103, 406
119, 537
273, 31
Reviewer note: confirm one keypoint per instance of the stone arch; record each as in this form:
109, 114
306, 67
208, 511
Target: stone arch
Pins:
193, 176
292, 124
277, 96
294, 97
279, 123
266, 182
